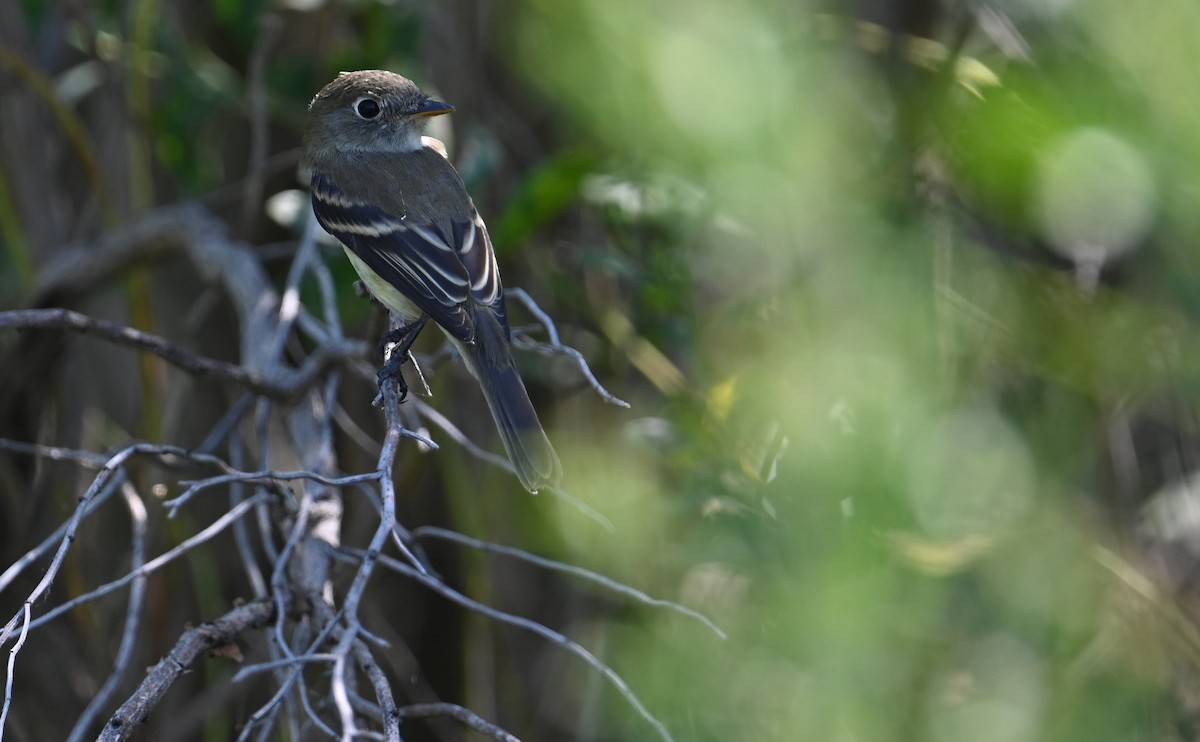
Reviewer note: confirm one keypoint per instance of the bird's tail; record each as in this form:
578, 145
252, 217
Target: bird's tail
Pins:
528, 448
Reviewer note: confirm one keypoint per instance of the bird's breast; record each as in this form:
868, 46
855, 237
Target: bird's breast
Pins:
386, 293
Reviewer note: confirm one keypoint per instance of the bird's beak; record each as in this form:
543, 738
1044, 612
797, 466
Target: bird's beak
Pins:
432, 108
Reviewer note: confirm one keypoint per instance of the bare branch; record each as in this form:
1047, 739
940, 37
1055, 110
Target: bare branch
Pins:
587, 574
93, 461
474, 449
292, 661
264, 714
348, 643
26, 611
37, 552
389, 713
279, 385
469, 718
241, 531
133, 613
556, 347
262, 477
110, 468
85, 459
436, 585
160, 561
227, 423
190, 647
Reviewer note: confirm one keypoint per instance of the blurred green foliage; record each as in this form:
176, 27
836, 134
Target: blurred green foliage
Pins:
870, 276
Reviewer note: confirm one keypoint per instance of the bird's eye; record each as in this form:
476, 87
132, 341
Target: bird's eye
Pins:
367, 107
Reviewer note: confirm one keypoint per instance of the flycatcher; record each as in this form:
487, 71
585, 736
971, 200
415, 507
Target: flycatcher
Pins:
407, 224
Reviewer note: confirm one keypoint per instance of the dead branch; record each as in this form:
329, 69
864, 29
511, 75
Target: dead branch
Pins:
554, 637
284, 384
467, 717
194, 644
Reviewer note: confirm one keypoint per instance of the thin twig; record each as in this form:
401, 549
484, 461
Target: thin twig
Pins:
262, 515
283, 384
94, 461
262, 477
389, 713
441, 421
26, 613
227, 424
469, 718
133, 613
37, 552
161, 560
571, 569
291, 661
110, 468
264, 712
556, 346
289, 304
102, 483
86, 459
241, 532
431, 413
346, 644
547, 633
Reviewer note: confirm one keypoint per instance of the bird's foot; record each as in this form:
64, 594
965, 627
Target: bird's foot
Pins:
394, 346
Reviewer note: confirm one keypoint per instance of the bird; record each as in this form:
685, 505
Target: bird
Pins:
415, 238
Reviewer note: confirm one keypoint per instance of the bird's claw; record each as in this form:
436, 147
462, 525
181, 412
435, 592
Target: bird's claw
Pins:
400, 339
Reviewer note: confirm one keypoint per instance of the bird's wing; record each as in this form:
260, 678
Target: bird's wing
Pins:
475, 252
437, 272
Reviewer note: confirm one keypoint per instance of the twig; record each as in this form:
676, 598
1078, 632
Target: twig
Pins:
388, 712
86, 459
191, 646
289, 304
431, 414
26, 612
469, 718
571, 569
241, 532
389, 389
280, 578
441, 421
547, 633
93, 461
31, 556
556, 347
262, 715
133, 612
290, 661
262, 477
109, 469
227, 424
161, 560
354, 431
262, 516
283, 385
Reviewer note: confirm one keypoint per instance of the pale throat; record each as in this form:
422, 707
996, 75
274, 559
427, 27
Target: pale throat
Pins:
407, 140
392, 141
